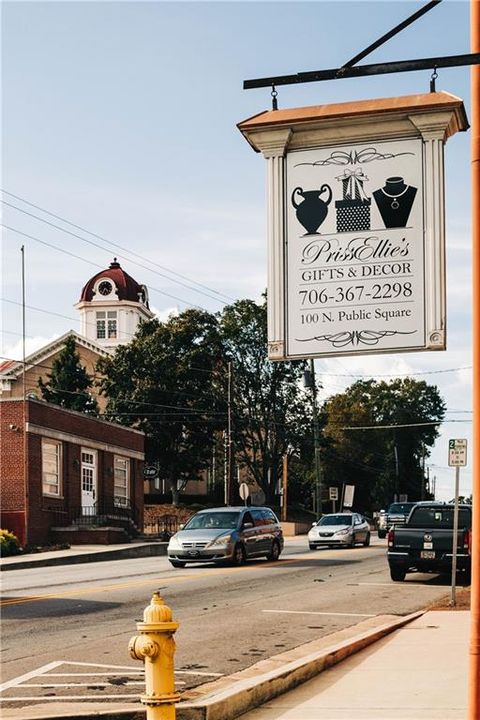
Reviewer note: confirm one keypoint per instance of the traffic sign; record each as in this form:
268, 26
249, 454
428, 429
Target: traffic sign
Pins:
457, 453
333, 493
244, 491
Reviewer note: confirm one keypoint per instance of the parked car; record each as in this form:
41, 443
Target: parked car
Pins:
227, 534
425, 542
345, 529
396, 514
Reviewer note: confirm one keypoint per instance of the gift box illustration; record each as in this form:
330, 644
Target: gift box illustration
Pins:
353, 212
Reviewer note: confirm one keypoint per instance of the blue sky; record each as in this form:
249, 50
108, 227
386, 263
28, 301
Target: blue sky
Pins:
121, 117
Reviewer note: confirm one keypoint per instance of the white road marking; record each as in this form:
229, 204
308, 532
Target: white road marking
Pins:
392, 585
306, 612
133, 672
44, 673
28, 676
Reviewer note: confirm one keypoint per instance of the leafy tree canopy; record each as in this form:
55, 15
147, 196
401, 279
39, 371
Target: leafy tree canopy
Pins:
381, 461
68, 384
272, 412
164, 383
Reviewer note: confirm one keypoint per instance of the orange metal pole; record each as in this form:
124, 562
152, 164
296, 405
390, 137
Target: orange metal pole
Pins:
474, 685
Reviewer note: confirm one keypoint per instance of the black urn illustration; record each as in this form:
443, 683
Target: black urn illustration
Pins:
312, 210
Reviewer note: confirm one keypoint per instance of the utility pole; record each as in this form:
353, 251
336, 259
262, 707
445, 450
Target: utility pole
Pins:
24, 393
422, 490
230, 490
309, 382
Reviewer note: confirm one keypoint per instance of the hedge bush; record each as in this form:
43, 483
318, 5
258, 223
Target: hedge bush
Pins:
9, 544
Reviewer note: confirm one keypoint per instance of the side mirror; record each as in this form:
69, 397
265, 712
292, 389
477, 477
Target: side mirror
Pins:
247, 525
180, 527
313, 524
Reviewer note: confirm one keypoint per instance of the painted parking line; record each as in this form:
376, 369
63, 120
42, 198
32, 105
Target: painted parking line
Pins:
309, 612
46, 680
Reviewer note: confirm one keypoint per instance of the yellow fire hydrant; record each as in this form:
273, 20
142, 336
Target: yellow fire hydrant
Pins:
155, 646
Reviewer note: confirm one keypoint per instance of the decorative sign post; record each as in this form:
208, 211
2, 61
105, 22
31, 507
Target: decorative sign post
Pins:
457, 458
356, 235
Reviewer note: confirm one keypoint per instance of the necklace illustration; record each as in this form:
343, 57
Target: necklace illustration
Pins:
395, 204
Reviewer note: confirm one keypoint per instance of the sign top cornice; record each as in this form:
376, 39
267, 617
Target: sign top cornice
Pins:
387, 109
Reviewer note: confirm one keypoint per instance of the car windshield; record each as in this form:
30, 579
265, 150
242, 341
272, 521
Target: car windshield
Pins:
432, 517
403, 508
214, 520
335, 520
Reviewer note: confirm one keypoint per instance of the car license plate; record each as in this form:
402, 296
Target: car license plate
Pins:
427, 554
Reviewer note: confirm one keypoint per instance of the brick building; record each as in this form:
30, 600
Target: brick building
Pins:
78, 479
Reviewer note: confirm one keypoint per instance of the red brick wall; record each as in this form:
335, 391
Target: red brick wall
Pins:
45, 511
12, 506
87, 427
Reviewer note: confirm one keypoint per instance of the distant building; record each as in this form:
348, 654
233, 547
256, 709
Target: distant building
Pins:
111, 306
78, 479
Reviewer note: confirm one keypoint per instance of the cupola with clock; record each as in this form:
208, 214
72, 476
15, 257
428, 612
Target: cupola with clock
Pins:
111, 306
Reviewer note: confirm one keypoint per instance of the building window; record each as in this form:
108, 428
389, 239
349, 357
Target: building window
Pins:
121, 480
112, 324
51, 467
100, 325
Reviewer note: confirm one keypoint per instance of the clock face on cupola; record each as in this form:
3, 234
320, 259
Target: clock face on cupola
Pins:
111, 306
105, 288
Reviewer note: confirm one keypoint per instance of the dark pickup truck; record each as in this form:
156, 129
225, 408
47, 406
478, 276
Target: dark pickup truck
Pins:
425, 542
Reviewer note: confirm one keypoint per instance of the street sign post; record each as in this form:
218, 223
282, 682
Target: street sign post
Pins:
457, 453
457, 458
333, 495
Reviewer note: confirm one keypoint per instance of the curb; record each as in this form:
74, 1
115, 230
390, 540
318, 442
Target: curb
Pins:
252, 687
137, 551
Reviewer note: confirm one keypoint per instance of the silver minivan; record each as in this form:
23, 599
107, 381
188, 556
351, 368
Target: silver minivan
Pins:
227, 534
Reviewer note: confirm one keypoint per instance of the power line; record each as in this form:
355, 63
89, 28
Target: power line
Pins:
90, 262
135, 262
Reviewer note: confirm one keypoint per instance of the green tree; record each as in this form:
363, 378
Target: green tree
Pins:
68, 384
382, 461
271, 412
165, 383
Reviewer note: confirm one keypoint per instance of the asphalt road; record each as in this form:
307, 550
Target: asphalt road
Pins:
65, 629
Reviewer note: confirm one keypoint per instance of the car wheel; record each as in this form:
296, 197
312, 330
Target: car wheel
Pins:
352, 542
177, 564
397, 574
382, 534
239, 557
274, 553
367, 540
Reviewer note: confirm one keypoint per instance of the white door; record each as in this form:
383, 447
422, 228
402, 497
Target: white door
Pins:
89, 480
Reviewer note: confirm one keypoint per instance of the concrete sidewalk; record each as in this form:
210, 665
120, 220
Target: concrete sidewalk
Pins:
419, 672
85, 554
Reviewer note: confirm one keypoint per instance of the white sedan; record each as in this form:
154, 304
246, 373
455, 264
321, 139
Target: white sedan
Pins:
346, 529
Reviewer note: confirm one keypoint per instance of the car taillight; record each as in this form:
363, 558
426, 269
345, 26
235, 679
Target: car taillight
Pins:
390, 536
467, 541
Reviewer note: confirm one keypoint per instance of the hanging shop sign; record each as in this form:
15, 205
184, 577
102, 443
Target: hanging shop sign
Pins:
356, 232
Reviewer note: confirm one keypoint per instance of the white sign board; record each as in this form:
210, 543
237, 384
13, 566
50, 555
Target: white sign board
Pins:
457, 453
333, 493
355, 270
348, 495
356, 224
244, 491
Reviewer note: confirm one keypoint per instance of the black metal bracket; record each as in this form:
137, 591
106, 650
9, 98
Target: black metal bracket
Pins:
363, 70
